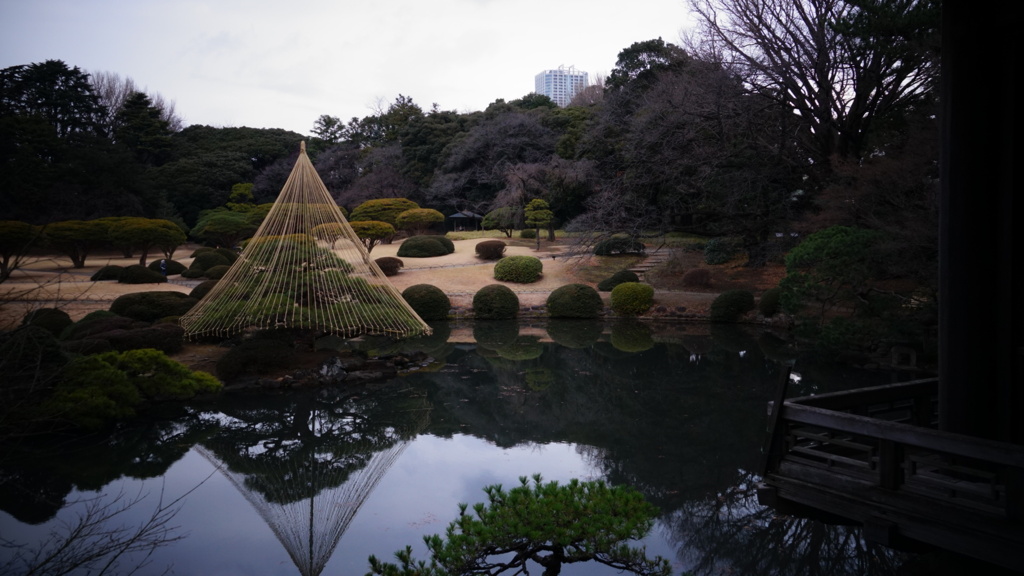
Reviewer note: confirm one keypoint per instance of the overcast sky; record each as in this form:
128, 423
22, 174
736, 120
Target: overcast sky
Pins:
282, 64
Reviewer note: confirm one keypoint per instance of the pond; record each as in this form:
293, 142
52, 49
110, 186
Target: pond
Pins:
315, 481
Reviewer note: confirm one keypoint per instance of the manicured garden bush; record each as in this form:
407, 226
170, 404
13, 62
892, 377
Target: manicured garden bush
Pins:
632, 298
521, 269
730, 306
697, 277
136, 274
490, 249
389, 265
208, 259
428, 301
99, 322
618, 245
495, 302
53, 320
216, 272
173, 266
166, 337
151, 306
112, 272
256, 356
614, 280
768, 305
528, 234
720, 250
424, 247
446, 242
574, 301
202, 289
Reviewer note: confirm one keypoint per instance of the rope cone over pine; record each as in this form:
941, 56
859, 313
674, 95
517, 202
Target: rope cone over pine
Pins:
304, 269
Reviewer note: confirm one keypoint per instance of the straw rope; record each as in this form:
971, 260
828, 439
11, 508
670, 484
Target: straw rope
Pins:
304, 268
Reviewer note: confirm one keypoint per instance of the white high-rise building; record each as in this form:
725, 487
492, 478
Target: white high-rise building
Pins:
560, 84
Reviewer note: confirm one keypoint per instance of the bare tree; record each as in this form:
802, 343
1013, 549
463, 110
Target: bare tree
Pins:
113, 91
839, 64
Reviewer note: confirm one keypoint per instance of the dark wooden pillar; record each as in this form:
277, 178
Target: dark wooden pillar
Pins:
981, 322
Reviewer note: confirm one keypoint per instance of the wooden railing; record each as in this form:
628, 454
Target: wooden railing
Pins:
875, 453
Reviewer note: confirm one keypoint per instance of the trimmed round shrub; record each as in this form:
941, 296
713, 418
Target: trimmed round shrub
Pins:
202, 289
614, 280
618, 245
574, 301
389, 265
53, 320
495, 302
423, 247
208, 259
173, 266
96, 323
720, 250
730, 306
216, 272
528, 233
428, 301
697, 277
490, 249
768, 305
137, 274
632, 298
521, 269
112, 272
447, 243
151, 306
165, 337
192, 273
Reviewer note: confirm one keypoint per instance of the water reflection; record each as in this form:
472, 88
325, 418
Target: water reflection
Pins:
676, 412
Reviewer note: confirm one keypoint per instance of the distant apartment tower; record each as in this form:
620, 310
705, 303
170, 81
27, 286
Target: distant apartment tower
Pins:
560, 84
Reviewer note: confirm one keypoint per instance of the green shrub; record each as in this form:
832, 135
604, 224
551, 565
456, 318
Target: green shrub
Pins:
632, 298
192, 273
424, 247
151, 306
428, 301
112, 272
202, 289
574, 301
490, 249
208, 259
166, 337
768, 305
29, 356
720, 250
730, 306
173, 266
53, 320
697, 277
446, 242
137, 274
495, 302
618, 244
614, 280
521, 269
216, 272
528, 234
389, 265
97, 323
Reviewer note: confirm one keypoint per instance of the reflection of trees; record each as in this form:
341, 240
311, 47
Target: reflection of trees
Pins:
308, 463
729, 532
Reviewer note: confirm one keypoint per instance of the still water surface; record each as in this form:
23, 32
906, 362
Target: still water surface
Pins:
316, 481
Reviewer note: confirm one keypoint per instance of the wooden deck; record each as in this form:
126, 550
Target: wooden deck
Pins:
873, 456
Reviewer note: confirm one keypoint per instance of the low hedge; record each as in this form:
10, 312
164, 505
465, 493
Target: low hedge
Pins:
632, 298
614, 280
495, 302
151, 306
53, 320
618, 245
137, 274
574, 301
730, 306
491, 249
216, 272
425, 247
112, 272
520, 269
428, 301
768, 305
389, 265
173, 266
